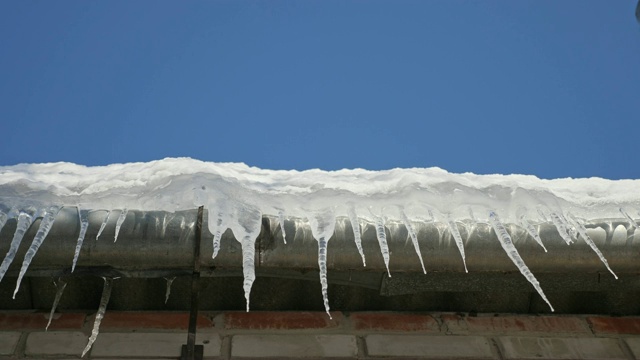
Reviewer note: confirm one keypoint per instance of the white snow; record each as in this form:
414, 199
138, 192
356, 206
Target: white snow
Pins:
237, 196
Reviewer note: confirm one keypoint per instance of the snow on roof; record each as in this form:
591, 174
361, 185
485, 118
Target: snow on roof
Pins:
183, 183
237, 196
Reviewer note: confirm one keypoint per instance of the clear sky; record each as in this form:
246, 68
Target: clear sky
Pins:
549, 88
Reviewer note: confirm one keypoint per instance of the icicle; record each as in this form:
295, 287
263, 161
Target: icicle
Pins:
106, 294
246, 230
3, 219
532, 231
84, 224
322, 226
583, 232
24, 221
561, 226
45, 225
281, 220
357, 236
61, 285
121, 218
632, 222
382, 240
168, 292
221, 227
104, 224
414, 237
512, 252
453, 227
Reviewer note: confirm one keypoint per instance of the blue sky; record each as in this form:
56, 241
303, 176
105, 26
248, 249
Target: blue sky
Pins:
550, 88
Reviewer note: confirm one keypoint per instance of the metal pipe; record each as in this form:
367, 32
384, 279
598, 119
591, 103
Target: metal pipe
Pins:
163, 242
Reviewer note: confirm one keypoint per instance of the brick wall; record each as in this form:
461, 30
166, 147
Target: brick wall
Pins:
371, 335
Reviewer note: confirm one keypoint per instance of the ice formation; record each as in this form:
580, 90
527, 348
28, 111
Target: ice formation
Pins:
357, 236
414, 237
531, 231
246, 224
583, 233
121, 218
102, 308
168, 291
237, 196
84, 225
381, 234
562, 227
453, 228
281, 219
60, 286
24, 221
512, 252
104, 224
323, 223
48, 218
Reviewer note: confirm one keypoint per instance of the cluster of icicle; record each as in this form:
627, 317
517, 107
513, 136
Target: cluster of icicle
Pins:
245, 223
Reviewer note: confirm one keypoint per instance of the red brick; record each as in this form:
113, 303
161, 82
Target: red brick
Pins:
394, 322
514, 323
38, 321
614, 325
151, 320
281, 320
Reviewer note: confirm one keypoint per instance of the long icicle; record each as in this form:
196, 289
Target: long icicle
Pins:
24, 222
84, 224
168, 292
104, 224
382, 241
512, 252
3, 219
281, 220
583, 232
532, 231
45, 225
121, 218
60, 286
322, 264
453, 227
562, 227
221, 227
323, 225
357, 235
414, 237
106, 294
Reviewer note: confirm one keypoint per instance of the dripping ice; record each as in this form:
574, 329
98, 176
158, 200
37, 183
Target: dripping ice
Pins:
512, 252
61, 284
246, 223
381, 235
45, 225
281, 220
104, 224
414, 237
357, 236
24, 222
583, 233
453, 228
102, 308
119, 222
84, 224
322, 226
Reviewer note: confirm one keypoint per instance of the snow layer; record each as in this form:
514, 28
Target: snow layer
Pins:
182, 183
